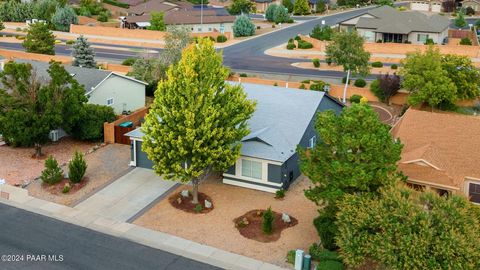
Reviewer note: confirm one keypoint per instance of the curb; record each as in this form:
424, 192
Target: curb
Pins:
19, 198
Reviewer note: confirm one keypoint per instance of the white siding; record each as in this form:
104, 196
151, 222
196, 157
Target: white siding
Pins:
127, 94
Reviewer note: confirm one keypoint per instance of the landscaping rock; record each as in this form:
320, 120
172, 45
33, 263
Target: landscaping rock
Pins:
208, 204
245, 221
286, 218
184, 193
179, 200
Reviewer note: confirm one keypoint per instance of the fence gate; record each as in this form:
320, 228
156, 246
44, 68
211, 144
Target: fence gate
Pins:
119, 134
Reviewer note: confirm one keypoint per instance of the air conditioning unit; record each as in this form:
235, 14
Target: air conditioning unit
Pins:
53, 135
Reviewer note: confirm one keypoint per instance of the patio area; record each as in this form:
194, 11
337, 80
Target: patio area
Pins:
217, 228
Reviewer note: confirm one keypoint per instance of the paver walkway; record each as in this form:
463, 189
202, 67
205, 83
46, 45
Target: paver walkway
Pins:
127, 196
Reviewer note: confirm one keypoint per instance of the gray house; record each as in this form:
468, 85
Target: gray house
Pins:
102, 87
387, 24
284, 118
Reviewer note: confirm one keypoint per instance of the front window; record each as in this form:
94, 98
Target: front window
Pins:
474, 192
110, 102
422, 38
312, 142
252, 169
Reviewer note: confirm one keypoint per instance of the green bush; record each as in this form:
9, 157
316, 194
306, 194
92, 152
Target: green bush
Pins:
302, 44
377, 64
298, 38
103, 16
327, 229
243, 26
291, 256
270, 12
318, 253
379, 41
66, 189
328, 61
280, 193
291, 46
329, 265
243, 75
52, 173
221, 39
70, 42
344, 80
267, 222
290, 20
116, 3
318, 86
302, 86
465, 41
198, 208
129, 61
355, 98
306, 81
77, 167
316, 62
394, 66
90, 126
322, 32
375, 89
360, 83
429, 41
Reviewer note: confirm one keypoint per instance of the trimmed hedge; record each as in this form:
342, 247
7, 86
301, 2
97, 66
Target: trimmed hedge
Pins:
360, 83
221, 39
291, 46
355, 98
393, 66
302, 44
298, 38
377, 64
316, 62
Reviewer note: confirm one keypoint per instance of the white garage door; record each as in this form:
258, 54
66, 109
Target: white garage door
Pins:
420, 6
436, 7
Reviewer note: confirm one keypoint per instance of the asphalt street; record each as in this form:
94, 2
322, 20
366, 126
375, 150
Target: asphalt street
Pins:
25, 237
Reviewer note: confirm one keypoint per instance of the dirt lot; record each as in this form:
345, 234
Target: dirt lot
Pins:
218, 229
18, 167
104, 165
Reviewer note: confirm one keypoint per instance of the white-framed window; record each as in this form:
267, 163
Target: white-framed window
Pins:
474, 192
312, 142
422, 38
252, 169
110, 102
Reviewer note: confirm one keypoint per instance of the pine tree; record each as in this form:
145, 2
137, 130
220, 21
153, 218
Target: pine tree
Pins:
77, 167
197, 119
83, 54
39, 39
52, 173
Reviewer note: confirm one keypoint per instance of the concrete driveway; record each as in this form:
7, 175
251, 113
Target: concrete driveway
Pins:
128, 195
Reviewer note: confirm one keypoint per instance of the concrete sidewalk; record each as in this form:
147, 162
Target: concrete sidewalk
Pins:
127, 196
19, 198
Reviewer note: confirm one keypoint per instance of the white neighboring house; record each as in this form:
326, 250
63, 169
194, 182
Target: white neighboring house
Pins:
102, 87
387, 24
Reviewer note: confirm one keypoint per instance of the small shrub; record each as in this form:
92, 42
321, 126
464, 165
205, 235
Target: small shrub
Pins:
302, 86
275, 84
103, 16
330, 265
291, 46
241, 224
198, 208
302, 44
327, 229
221, 39
129, 61
291, 256
318, 86
66, 189
429, 41
280, 193
243, 75
52, 173
318, 253
306, 81
377, 64
379, 41
360, 83
469, 11
328, 61
267, 222
291, 40
344, 80
355, 98
298, 38
290, 20
70, 42
363, 100
394, 66
316, 62
211, 38
465, 41
77, 167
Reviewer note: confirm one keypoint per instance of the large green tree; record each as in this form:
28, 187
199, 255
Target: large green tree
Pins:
241, 7
39, 39
346, 50
356, 154
243, 26
288, 4
197, 119
281, 14
83, 54
29, 110
301, 7
463, 74
404, 229
63, 18
426, 80
157, 22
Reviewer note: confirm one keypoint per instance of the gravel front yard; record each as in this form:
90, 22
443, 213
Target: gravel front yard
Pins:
18, 167
104, 165
217, 228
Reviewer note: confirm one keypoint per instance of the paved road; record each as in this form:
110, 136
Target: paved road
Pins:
23, 233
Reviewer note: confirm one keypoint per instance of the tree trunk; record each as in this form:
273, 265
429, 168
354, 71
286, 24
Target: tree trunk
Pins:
195, 190
345, 89
38, 150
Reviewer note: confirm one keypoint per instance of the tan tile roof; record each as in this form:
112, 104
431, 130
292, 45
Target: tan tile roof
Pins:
449, 142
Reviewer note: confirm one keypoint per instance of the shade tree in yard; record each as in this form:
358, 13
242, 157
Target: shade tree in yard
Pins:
157, 22
463, 74
404, 229
385, 87
300, 7
197, 119
357, 154
39, 39
346, 50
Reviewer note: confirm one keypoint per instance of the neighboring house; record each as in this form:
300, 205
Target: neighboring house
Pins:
427, 6
284, 118
262, 5
102, 87
387, 24
209, 20
440, 152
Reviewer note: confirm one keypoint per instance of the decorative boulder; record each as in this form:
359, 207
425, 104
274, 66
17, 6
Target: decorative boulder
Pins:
208, 204
286, 218
184, 193
179, 200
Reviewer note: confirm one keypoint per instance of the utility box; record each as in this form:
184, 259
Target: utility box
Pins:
298, 259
